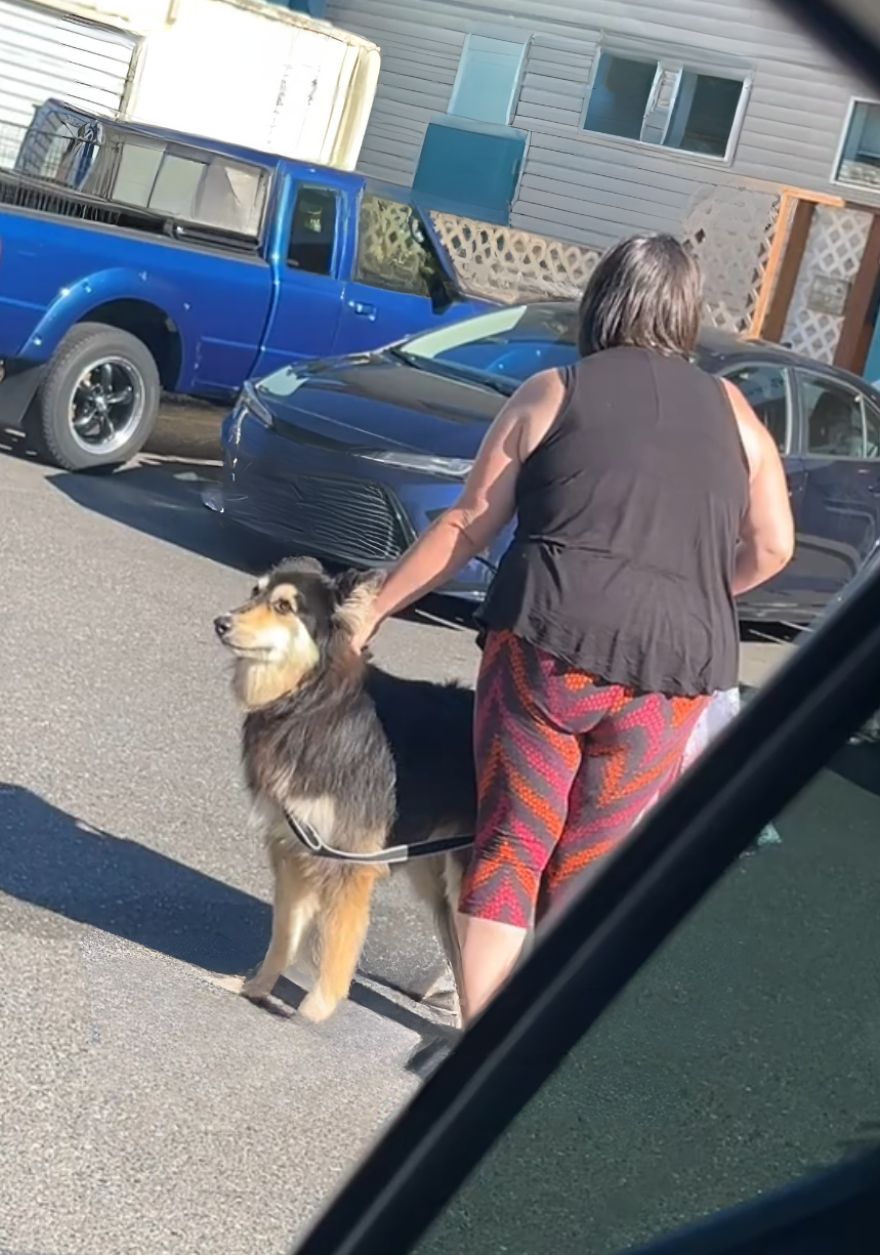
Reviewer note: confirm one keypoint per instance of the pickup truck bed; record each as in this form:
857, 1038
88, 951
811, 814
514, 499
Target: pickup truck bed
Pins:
134, 260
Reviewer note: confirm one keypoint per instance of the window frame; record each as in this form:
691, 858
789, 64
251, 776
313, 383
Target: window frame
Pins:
516, 86
802, 373
869, 401
679, 62
834, 177
791, 395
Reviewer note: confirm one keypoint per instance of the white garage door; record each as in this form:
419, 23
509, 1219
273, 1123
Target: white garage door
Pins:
44, 53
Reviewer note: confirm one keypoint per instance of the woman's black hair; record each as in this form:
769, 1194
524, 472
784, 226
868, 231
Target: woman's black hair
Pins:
647, 292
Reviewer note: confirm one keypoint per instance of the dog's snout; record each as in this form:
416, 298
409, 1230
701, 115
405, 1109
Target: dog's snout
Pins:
222, 624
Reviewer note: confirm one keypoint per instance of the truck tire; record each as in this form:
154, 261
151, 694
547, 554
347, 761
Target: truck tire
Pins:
99, 400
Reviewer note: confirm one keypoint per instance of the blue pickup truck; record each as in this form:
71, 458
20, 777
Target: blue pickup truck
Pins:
135, 260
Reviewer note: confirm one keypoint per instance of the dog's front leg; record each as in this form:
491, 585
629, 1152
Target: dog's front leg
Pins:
343, 917
294, 909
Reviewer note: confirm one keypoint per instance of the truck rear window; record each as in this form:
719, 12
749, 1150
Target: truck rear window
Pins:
175, 180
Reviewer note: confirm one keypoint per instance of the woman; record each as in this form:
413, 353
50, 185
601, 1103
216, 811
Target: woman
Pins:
648, 496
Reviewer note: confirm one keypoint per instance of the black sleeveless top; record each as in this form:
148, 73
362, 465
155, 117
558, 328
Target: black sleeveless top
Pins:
629, 513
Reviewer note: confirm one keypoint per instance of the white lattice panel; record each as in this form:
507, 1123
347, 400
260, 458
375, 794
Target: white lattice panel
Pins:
506, 264
731, 231
834, 249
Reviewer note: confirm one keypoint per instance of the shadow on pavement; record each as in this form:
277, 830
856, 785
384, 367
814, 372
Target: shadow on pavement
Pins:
162, 498
54, 861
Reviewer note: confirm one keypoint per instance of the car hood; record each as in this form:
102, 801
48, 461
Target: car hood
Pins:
377, 401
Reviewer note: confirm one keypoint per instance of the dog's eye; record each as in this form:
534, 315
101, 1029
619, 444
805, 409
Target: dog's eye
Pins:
283, 607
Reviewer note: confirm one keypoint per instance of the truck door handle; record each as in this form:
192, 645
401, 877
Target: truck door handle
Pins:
363, 309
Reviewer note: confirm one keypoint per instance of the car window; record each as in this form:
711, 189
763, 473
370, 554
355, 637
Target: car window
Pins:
741, 1057
766, 389
393, 250
313, 230
833, 418
872, 428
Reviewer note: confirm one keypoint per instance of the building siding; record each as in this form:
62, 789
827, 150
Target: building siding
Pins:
589, 188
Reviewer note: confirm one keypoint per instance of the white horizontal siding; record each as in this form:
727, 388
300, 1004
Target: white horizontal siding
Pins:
591, 188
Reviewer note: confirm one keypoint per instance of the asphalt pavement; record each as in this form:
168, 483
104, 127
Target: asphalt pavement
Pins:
143, 1107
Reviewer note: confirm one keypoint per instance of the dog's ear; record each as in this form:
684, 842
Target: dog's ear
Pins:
301, 564
361, 583
355, 591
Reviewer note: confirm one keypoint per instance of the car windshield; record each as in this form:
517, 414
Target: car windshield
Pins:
509, 344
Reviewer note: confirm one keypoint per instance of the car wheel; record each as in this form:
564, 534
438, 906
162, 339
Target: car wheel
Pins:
99, 400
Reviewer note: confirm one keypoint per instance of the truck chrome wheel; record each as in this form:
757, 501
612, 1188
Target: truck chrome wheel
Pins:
106, 405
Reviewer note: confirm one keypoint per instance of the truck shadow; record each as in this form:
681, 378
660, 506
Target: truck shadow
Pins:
162, 498
52, 860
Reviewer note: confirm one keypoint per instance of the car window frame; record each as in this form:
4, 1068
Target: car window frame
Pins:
785, 734
867, 401
804, 372
792, 431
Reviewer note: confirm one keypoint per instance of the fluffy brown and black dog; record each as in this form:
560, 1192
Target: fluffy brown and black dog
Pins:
365, 758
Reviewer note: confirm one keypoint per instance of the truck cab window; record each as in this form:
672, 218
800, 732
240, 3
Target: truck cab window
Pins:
313, 230
393, 249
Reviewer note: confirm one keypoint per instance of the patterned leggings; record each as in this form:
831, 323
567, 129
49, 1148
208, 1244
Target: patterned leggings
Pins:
566, 767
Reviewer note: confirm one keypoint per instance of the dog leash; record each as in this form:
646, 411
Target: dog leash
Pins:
308, 837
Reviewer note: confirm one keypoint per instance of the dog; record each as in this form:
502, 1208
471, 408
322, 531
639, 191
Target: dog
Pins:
363, 757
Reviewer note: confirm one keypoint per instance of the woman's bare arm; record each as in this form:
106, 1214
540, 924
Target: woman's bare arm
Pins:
486, 505
767, 533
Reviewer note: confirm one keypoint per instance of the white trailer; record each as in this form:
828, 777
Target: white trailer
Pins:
235, 70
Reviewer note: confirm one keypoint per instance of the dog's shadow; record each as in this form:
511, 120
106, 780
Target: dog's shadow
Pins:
54, 861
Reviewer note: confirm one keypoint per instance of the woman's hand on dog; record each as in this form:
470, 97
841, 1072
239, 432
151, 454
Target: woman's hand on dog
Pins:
363, 634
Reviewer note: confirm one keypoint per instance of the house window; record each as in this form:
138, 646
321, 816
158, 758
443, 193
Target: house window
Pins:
487, 81
859, 162
667, 102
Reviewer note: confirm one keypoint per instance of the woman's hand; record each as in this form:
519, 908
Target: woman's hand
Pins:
363, 634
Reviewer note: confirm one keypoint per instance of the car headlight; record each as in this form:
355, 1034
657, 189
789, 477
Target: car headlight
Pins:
444, 468
250, 405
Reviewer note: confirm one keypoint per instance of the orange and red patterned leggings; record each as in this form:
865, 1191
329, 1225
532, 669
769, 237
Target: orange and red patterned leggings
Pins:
566, 767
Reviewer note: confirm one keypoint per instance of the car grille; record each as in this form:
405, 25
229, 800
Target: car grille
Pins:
350, 519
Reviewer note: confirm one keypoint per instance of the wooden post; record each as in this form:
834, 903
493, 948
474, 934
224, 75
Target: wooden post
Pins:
779, 283
787, 205
851, 344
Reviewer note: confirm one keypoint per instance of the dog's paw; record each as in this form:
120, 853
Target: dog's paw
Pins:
256, 988
316, 1008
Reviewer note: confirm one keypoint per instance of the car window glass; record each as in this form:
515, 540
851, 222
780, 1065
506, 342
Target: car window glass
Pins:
832, 417
393, 249
743, 1056
765, 387
872, 428
313, 230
